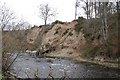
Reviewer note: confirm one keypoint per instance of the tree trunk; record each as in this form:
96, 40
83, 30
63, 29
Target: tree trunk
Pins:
75, 12
45, 21
95, 9
76, 9
99, 10
105, 20
87, 8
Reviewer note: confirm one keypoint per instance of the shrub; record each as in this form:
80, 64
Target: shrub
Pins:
78, 27
66, 31
90, 52
70, 33
89, 36
37, 42
80, 24
47, 45
57, 21
14, 41
56, 32
70, 52
80, 18
45, 31
58, 28
98, 36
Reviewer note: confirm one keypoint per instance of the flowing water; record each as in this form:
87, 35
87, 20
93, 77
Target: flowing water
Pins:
27, 66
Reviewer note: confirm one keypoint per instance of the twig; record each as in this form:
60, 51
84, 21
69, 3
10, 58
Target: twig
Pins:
12, 62
50, 72
8, 59
36, 73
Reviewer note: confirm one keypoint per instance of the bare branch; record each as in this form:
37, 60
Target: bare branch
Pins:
6, 16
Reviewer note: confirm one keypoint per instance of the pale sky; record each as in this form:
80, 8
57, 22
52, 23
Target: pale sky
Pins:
28, 10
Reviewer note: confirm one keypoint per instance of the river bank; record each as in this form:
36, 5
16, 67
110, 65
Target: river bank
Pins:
76, 56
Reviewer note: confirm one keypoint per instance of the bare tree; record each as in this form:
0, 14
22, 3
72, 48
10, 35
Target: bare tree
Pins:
45, 12
6, 16
20, 25
86, 7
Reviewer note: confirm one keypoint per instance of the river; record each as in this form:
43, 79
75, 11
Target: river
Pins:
27, 66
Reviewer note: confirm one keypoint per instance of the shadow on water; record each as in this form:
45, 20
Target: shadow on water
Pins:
27, 66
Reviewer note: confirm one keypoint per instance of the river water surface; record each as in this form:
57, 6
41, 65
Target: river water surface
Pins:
27, 66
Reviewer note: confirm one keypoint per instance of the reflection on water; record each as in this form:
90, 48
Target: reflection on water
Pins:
26, 66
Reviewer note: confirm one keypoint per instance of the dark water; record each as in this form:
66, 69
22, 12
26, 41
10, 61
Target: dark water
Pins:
27, 66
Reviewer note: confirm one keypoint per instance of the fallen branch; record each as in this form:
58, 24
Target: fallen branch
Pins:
14, 75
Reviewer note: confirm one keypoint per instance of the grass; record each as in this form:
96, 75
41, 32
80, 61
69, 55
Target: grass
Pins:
108, 64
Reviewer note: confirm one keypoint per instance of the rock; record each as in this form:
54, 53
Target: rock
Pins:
32, 53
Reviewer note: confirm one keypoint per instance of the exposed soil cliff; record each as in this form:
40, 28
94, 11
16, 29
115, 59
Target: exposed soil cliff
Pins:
69, 39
